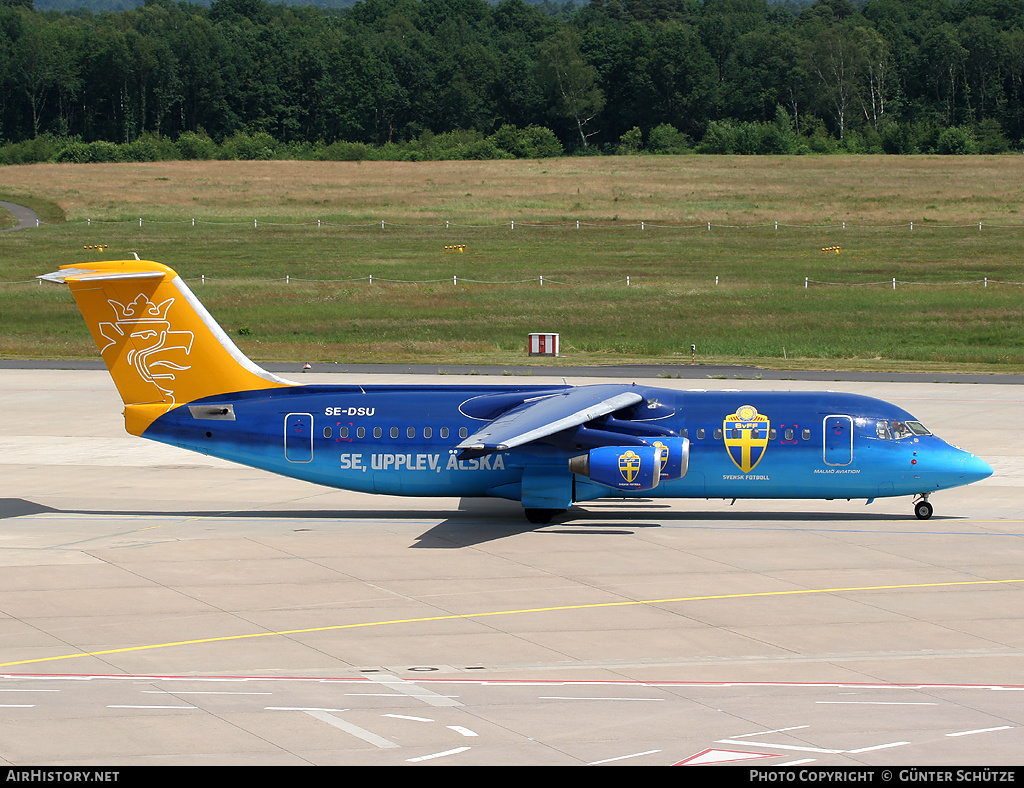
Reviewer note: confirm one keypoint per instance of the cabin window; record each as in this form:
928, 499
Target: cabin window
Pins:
700, 433
718, 434
806, 435
773, 434
327, 432
343, 432
463, 432
685, 433
360, 432
788, 433
427, 432
377, 432
410, 432
394, 432
444, 432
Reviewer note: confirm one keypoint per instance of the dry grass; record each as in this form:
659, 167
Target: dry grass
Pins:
670, 189
759, 312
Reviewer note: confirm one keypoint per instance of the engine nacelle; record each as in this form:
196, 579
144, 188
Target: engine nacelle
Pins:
675, 457
621, 467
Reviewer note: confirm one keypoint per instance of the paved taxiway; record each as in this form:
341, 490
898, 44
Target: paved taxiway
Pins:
158, 606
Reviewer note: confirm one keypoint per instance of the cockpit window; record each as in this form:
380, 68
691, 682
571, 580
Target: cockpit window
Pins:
918, 428
900, 429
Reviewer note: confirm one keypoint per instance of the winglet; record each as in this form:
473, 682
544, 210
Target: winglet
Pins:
159, 343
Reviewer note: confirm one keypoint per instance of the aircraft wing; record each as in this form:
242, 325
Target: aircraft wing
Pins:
540, 418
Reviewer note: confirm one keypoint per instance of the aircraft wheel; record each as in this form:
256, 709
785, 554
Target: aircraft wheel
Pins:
923, 510
542, 516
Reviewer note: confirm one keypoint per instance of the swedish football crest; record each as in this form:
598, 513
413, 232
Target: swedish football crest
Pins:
664, 454
629, 465
746, 437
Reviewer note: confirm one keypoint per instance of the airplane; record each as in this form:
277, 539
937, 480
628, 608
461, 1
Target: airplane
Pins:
184, 382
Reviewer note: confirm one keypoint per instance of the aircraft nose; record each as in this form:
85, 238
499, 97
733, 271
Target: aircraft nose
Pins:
975, 469
963, 467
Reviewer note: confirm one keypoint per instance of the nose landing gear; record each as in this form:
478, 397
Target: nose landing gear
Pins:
922, 508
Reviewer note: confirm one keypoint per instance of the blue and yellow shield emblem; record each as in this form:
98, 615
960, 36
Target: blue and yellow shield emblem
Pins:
664, 454
629, 465
746, 437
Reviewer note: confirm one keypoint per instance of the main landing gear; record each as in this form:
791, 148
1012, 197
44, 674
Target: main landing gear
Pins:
922, 508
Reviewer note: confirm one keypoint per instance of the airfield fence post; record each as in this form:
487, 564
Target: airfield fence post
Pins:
140, 221
627, 281
641, 226
542, 281
911, 226
709, 227
894, 283
455, 280
513, 225
805, 282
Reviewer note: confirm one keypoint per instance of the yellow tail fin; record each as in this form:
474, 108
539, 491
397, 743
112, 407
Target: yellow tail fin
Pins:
159, 343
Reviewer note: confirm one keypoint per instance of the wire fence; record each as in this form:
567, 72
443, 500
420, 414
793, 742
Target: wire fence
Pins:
577, 224
543, 281
627, 281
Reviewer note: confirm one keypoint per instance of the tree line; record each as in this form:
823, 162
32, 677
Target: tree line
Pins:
467, 79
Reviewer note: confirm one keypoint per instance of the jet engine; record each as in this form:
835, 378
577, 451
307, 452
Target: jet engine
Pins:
621, 467
675, 457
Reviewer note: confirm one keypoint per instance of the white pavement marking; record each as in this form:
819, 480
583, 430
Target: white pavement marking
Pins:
414, 690
624, 757
355, 730
876, 703
456, 751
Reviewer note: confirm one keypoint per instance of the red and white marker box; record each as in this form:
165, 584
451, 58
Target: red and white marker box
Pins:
543, 345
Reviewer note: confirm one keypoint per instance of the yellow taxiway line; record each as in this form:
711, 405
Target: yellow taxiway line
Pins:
457, 616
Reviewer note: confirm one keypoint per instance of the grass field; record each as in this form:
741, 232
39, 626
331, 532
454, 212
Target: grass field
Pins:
940, 315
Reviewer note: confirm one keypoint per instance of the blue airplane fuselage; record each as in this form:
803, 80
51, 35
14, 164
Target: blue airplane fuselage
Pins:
401, 440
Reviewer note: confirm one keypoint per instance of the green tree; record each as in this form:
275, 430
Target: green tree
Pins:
42, 67
942, 61
571, 81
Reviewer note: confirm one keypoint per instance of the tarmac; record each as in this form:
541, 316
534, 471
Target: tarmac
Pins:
162, 607
25, 217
